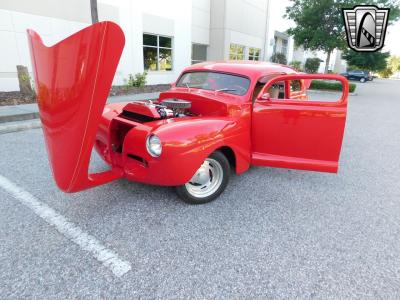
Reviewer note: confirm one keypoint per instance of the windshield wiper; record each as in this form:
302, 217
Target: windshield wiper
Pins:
226, 90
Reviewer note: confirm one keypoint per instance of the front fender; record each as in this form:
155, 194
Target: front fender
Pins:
187, 142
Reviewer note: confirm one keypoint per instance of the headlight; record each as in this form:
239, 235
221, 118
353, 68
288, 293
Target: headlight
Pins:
153, 145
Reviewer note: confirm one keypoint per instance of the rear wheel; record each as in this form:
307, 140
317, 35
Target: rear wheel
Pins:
209, 181
362, 79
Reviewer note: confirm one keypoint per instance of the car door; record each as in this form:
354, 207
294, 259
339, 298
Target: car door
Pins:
298, 133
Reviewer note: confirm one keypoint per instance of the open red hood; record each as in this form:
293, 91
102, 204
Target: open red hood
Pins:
73, 79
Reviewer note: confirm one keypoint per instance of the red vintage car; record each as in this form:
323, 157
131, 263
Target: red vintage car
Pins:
218, 117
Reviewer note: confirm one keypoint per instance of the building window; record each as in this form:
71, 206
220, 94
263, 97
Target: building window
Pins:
157, 52
254, 53
236, 52
199, 53
275, 44
284, 47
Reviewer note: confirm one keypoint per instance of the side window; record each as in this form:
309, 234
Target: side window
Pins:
325, 90
261, 84
295, 86
318, 90
277, 90
297, 90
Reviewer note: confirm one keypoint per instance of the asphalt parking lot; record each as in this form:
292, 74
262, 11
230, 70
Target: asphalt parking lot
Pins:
274, 233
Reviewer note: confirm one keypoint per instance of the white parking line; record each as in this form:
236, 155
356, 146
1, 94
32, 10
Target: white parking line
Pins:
84, 240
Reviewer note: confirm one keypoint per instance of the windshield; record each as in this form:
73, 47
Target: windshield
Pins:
219, 82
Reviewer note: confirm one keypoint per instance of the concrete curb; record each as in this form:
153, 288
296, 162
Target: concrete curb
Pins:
18, 117
19, 126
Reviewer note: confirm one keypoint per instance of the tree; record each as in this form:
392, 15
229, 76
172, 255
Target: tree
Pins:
319, 23
93, 11
393, 66
369, 61
312, 65
394, 63
386, 73
279, 58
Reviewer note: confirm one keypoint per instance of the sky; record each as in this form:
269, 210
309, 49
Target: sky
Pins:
392, 41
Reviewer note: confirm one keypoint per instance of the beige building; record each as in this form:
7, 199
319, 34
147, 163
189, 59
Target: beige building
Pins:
162, 37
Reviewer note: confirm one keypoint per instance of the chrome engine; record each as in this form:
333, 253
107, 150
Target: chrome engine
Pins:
178, 107
147, 111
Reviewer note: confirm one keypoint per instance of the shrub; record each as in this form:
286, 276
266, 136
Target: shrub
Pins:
138, 80
296, 65
386, 73
312, 65
330, 86
279, 58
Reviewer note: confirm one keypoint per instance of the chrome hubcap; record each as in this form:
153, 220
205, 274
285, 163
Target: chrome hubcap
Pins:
206, 180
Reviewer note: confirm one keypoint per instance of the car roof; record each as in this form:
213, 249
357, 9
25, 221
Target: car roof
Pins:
252, 69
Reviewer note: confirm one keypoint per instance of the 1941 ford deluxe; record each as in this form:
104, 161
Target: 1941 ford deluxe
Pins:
218, 117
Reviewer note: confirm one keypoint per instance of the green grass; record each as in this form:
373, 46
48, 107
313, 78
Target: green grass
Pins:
330, 86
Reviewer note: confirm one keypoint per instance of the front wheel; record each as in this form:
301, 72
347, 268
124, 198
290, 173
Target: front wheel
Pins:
362, 79
209, 181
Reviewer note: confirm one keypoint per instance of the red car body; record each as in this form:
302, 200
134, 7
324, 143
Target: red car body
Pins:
73, 79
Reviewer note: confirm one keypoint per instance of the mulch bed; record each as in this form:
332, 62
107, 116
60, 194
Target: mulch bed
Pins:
124, 90
15, 98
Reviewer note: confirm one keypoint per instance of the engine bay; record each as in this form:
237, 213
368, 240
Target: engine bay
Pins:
147, 111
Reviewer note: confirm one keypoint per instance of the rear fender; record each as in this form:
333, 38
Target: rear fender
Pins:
73, 79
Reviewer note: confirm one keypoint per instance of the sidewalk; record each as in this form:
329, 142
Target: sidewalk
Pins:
24, 112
